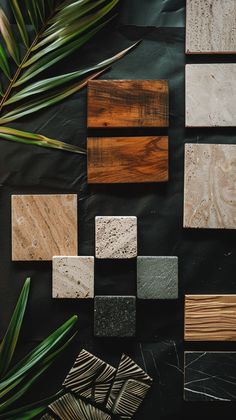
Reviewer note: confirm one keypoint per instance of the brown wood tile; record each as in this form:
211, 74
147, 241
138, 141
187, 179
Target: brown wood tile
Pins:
210, 318
127, 159
128, 103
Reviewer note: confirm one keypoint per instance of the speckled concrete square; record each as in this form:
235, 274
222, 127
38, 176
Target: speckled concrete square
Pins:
44, 226
114, 316
73, 277
116, 236
209, 186
157, 277
210, 26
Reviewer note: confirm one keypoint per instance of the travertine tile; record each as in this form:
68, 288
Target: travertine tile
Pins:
73, 277
116, 236
157, 277
209, 191
44, 226
210, 95
114, 316
210, 26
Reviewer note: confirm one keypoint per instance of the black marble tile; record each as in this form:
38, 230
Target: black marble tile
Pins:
210, 376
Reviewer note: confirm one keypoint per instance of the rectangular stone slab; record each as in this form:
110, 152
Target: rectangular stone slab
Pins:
210, 376
210, 27
73, 277
128, 103
210, 95
209, 186
210, 318
113, 160
44, 226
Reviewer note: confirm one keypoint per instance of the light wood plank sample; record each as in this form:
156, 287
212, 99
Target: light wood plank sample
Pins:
210, 318
128, 103
127, 159
209, 190
210, 95
44, 226
211, 26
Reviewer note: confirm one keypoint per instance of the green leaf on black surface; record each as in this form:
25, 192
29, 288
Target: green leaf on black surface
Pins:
4, 63
9, 342
20, 21
8, 36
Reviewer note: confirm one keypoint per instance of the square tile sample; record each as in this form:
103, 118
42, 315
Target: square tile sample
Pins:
44, 226
209, 186
115, 316
113, 160
73, 277
210, 27
210, 95
128, 103
116, 236
210, 318
157, 277
209, 376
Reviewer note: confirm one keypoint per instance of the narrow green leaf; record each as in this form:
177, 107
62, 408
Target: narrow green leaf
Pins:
4, 63
54, 82
10, 339
11, 134
46, 62
20, 21
32, 12
35, 106
8, 36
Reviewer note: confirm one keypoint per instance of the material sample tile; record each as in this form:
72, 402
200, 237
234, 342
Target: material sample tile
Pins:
210, 318
73, 277
128, 103
210, 376
209, 191
113, 160
210, 95
131, 385
90, 377
44, 226
210, 26
115, 316
116, 236
68, 407
157, 277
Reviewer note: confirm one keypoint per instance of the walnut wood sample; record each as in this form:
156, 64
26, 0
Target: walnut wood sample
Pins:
210, 318
127, 160
128, 103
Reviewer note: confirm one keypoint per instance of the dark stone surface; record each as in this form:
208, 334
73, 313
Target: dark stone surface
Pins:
114, 316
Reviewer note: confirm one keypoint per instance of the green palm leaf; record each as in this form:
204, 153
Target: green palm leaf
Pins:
20, 21
4, 63
8, 36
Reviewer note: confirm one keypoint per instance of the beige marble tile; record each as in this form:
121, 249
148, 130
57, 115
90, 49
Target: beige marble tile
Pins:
44, 226
73, 277
210, 26
211, 95
210, 186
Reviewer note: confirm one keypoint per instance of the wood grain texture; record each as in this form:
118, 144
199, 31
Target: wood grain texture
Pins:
128, 103
209, 191
44, 226
127, 160
210, 318
210, 26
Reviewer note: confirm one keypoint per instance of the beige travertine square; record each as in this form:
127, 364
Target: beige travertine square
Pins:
210, 95
210, 26
44, 226
210, 186
73, 277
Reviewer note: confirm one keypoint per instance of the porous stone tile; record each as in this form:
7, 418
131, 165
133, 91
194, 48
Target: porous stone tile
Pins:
116, 236
73, 277
210, 95
44, 226
210, 26
114, 316
209, 190
157, 277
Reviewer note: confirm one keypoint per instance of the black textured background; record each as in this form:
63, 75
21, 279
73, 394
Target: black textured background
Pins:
206, 258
